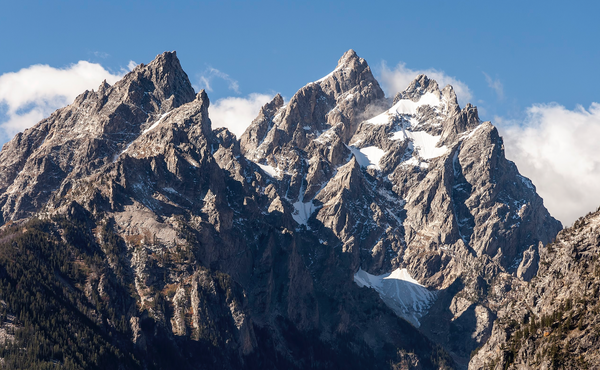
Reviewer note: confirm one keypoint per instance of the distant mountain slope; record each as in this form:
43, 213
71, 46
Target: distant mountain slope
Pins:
553, 322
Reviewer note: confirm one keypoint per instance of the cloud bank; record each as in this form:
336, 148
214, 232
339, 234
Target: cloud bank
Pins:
237, 113
558, 150
396, 80
31, 94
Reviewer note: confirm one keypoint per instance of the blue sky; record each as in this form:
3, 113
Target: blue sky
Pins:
512, 55
539, 51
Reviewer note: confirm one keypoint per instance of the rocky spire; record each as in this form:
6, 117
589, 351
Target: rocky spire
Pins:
339, 98
82, 137
257, 131
171, 83
419, 87
351, 71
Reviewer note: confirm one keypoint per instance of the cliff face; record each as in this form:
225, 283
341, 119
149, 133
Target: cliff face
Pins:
552, 321
289, 247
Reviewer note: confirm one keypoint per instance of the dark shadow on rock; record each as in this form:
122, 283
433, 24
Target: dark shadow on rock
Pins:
453, 334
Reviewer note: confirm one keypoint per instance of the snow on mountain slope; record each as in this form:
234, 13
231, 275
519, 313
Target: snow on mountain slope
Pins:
425, 143
269, 170
400, 292
368, 157
406, 107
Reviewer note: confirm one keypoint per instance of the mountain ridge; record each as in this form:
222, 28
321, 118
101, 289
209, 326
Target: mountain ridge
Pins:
337, 180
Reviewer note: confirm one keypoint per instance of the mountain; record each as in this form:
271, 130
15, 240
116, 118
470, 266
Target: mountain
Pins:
342, 229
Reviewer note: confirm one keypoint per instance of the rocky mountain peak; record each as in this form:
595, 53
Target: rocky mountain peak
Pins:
424, 87
334, 104
202, 97
449, 96
203, 103
419, 87
269, 109
348, 56
90, 133
350, 72
165, 78
103, 88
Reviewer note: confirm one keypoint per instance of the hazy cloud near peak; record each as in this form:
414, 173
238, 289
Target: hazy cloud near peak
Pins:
396, 80
210, 73
237, 113
495, 85
34, 92
558, 150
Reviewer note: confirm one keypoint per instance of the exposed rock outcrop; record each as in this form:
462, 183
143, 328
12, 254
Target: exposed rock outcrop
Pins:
551, 321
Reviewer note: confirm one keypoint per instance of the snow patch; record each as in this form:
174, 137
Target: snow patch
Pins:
405, 106
368, 157
171, 190
326, 136
303, 211
416, 162
332, 72
269, 170
124, 150
400, 291
424, 143
143, 132
155, 124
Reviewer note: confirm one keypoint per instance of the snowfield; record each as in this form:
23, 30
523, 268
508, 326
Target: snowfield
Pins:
368, 157
423, 142
405, 106
403, 294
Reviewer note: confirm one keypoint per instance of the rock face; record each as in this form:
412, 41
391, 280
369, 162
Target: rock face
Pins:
246, 252
78, 140
552, 321
423, 185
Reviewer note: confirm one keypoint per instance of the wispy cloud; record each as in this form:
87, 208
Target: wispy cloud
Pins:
237, 113
495, 85
101, 54
205, 80
131, 65
558, 150
396, 80
32, 93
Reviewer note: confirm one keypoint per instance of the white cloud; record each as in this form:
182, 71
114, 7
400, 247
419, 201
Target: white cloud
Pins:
131, 65
495, 85
558, 150
396, 80
34, 92
237, 113
208, 75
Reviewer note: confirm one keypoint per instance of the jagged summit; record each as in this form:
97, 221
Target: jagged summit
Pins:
351, 71
80, 139
347, 57
418, 87
330, 106
169, 78
163, 78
